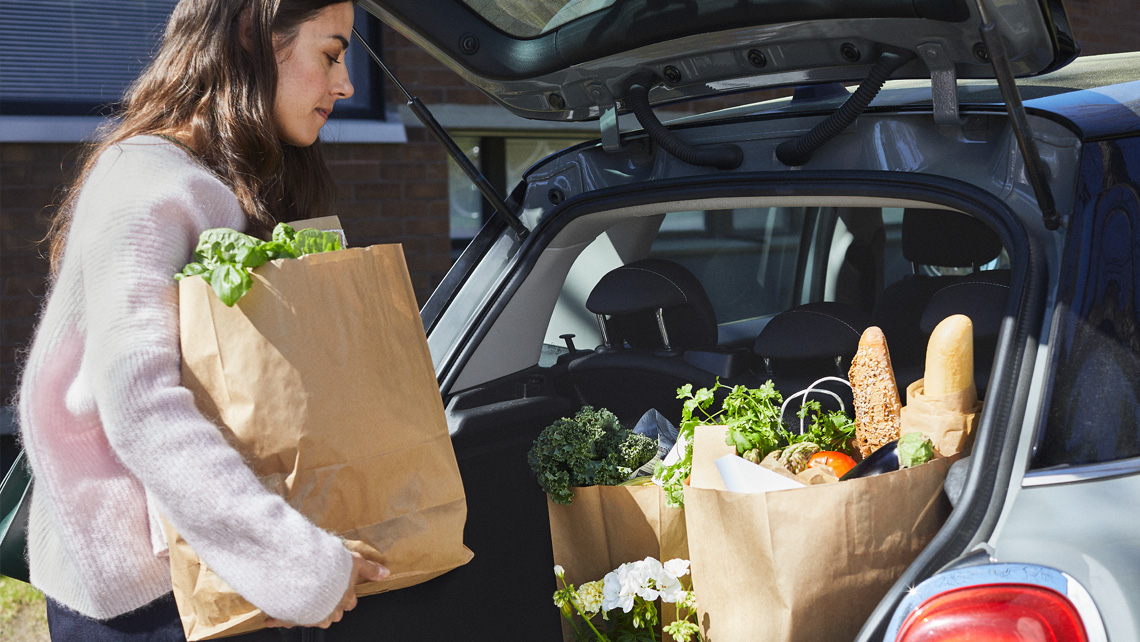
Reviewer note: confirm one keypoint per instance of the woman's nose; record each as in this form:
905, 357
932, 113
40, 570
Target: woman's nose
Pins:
342, 86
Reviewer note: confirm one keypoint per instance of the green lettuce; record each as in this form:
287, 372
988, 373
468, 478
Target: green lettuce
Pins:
914, 449
224, 256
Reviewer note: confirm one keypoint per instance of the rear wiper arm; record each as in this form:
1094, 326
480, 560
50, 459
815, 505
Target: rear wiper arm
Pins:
481, 183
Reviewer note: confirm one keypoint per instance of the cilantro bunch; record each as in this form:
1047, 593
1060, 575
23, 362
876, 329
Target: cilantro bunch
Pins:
225, 256
753, 425
832, 430
592, 449
752, 419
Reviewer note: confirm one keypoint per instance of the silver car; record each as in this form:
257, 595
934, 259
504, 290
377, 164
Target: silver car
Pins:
934, 157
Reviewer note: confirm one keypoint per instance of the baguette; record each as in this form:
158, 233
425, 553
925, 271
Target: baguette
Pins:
950, 357
876, 395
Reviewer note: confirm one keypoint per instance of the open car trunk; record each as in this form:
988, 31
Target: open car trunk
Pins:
760, 242
909, 197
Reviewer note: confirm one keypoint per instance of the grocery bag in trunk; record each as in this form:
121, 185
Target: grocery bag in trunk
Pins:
321, 377
607, 526
809, 563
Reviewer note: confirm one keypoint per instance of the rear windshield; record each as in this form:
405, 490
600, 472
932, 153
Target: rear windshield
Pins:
528, 18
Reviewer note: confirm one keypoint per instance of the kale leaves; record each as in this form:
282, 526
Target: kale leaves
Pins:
590, 449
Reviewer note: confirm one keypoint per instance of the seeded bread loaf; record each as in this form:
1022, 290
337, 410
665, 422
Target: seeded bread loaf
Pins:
876, 395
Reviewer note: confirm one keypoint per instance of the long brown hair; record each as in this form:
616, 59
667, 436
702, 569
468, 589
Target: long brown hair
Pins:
204, 80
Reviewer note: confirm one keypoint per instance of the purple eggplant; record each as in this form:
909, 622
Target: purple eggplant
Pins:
883, 460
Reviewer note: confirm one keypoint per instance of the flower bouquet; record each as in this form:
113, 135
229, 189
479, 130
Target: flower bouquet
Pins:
626, 599
603, 510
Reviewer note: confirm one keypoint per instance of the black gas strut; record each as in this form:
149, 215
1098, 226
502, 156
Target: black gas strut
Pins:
1035, 167
441, 135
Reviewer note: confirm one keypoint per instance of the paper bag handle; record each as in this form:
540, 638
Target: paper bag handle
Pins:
810, 389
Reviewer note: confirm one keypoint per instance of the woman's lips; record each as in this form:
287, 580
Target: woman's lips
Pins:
324, 113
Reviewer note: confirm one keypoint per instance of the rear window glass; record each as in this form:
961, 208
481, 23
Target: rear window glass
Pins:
528, 18
746, 258
1093, 408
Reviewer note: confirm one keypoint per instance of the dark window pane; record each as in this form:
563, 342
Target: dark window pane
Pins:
1094, 405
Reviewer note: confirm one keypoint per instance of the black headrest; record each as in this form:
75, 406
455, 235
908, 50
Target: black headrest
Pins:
982, 301
632, 294
812, 331
946, 238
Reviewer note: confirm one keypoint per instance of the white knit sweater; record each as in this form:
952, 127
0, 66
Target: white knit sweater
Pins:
112, 436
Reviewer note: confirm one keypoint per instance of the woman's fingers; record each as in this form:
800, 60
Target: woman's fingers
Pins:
363, 570
275, 623
366, 570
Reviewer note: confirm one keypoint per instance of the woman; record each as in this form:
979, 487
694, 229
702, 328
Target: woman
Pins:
219, 131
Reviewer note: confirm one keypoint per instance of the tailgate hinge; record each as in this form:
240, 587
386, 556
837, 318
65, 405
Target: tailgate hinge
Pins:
608, 120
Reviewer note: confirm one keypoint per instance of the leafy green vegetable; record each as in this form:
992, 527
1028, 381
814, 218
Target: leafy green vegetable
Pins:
225, 256
590, 449
753, 425
832, 430
752, 419
914, 449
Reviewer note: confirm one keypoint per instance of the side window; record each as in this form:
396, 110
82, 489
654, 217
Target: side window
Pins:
745, 258
1093, 408
77, 58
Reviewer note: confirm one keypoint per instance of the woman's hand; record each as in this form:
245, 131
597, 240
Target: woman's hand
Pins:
362, 571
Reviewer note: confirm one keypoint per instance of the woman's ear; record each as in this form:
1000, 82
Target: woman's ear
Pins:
245, 30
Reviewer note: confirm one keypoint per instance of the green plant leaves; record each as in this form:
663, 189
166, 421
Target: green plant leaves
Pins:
224, 256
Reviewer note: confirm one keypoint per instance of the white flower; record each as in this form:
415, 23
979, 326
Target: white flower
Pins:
615, 594
670, 589
645, 578
648, 579
559, 571
590, 597
678, 568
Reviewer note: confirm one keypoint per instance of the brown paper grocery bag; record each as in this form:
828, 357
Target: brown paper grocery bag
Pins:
607, 526
948, 420
321, 377
811, 563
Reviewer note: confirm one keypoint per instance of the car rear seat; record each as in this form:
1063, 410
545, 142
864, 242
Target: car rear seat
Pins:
984, 302
936, 238
806, 343
659, 332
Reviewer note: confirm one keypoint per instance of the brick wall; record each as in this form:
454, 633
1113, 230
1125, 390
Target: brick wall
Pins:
30, 176
1105, 26
387, 193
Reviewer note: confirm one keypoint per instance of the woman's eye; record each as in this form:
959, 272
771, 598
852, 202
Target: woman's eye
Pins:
332, 59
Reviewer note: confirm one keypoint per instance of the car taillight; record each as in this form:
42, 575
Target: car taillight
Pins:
995, 613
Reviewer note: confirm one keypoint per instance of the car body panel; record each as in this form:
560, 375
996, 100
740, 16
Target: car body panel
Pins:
503, 372
582, 68
1078, 528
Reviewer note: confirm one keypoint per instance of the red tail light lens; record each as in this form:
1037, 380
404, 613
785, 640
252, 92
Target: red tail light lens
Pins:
995, 613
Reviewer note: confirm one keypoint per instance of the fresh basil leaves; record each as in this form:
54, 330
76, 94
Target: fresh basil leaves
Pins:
225, 256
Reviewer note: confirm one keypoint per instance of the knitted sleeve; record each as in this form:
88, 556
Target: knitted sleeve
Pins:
141, 222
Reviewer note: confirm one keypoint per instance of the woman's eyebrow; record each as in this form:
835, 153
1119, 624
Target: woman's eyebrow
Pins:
343, 41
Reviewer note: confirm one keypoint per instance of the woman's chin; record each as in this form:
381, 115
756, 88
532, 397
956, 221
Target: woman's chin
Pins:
299, 142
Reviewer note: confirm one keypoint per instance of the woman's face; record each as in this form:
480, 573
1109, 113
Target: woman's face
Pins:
311, 75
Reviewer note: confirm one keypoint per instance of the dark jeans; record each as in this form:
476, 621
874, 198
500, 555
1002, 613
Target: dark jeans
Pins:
155, 622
